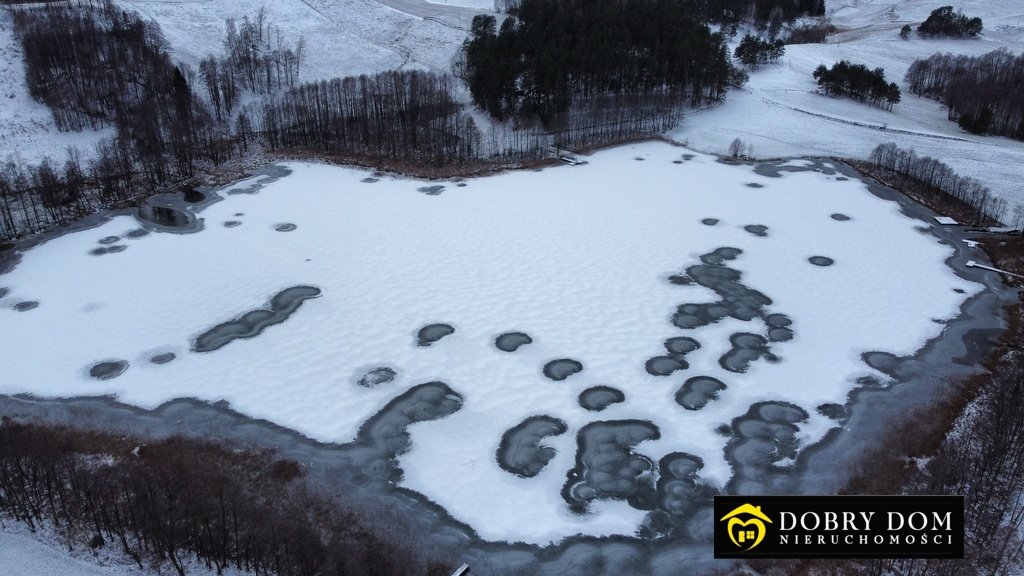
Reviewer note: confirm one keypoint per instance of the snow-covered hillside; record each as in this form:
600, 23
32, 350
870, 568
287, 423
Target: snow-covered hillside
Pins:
26, 126
343, 38
778, 112
781, 115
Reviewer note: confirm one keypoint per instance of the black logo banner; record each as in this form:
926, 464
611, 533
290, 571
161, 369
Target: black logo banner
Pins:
839, 527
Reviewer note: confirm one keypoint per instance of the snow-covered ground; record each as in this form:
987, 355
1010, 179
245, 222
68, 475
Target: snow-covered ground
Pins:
24, 553
779, 113
576, 257
476, 4
343, 38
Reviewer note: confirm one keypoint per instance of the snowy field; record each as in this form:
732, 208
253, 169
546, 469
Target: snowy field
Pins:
577, 258
781, 115
343, 38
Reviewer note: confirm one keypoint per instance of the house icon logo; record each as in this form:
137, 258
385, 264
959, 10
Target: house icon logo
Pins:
745, 526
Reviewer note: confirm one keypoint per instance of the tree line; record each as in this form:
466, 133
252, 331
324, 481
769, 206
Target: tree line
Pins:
753, 11
170, 501
753, 51
727, 11
552, 55
408, 115
943, 187
257, 58
983, 94
945, 22
858, 82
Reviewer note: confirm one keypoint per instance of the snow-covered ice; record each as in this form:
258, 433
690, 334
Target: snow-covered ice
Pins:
575, 257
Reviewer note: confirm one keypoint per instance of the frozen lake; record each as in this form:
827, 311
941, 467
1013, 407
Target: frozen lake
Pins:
569, 350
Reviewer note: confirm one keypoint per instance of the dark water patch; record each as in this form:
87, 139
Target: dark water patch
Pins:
821, 260
757, 229
870, 382
461, 184
386, 433
162, 358
108, 370
833, 411
763, 437
109, 239
285, 227
562, 368
677, 161
136, 233
269, 173
192, 196
166, 217
678, 489
884, 362
231, 223
959, 290
680, 280
754, 185
710, 221
696, 392
688, 156
840, 217
639, 159
432, 333
736, 301
520, 451
431, 190
665, 365
681, 345
101, 250
4, 292
841, 178
511, 341
746, 349
608, 468
239, 214
597, 398
377, 376
26, 305
369, 180
251, 324
720, 256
